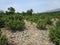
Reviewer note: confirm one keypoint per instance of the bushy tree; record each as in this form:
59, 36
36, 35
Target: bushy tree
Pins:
7, 13
29, 12
11, 10
23, 13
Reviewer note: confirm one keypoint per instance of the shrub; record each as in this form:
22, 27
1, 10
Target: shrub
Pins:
1, 22
3, 39
49, 22
12, 17
58, 23
14, 22
41, 24
55, 35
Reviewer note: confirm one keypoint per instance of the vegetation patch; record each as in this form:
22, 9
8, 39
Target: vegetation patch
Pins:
3, 39
14, 22
55, 33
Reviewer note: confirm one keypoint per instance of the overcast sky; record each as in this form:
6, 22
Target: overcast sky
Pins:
36, 5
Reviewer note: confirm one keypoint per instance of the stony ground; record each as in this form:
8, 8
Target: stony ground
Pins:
30, 36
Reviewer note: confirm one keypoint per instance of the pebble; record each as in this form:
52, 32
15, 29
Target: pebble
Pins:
32, 37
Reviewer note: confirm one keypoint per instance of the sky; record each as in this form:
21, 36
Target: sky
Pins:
24, 5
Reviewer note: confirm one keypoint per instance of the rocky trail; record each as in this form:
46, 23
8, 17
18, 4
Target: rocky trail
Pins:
30, 36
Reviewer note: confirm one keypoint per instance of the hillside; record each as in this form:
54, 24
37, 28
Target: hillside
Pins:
31, 36
28, 28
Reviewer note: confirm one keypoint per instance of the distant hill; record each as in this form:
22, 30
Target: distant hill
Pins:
53, 10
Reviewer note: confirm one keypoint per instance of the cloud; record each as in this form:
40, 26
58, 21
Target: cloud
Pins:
54, 4
36, 5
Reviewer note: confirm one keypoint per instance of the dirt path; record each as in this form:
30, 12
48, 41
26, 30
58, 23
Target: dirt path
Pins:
41, 35
30, 36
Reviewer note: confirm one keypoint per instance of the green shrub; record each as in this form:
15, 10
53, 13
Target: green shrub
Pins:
3, 40
16, 16
49, 22
58, 23
41, 24
55, 35
14, 22
1, 22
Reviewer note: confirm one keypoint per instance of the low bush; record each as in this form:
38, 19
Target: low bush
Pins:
3, 39
58, 23
1, 22
41, 24
14, 22
49, 22
55, 35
